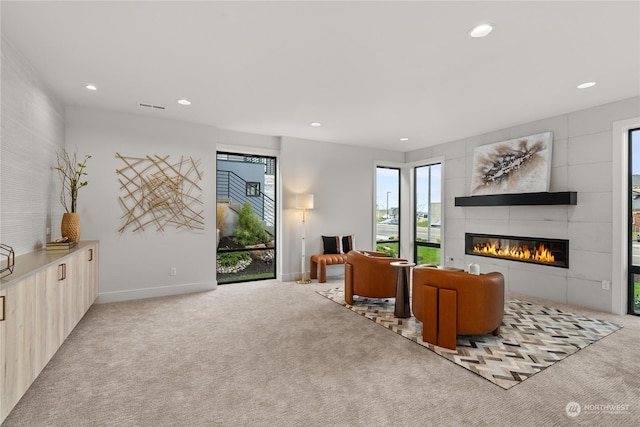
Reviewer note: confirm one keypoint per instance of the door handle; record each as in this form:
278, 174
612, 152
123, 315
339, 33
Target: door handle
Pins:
62, 271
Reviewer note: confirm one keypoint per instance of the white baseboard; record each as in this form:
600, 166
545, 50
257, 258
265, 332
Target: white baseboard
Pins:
162, 291
291, 277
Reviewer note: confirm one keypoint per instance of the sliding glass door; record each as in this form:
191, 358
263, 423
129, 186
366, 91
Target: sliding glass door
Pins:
428, 210
245, 217
634, 221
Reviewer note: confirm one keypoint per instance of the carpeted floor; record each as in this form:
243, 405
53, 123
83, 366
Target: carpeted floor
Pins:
532, 337
278, 354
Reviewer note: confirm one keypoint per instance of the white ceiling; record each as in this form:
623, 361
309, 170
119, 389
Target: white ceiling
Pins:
370, 72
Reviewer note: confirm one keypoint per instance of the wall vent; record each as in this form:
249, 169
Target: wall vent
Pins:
158, 107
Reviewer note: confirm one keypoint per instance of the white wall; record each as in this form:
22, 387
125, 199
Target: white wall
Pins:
32, 132
582, 161
137, 264
341, 178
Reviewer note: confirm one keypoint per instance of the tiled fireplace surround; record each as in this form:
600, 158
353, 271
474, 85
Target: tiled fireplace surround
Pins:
582, 161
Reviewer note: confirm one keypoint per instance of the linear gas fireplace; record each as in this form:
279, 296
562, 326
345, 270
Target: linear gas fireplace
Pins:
551, 252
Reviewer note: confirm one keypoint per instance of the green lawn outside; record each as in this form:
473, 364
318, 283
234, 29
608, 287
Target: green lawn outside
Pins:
391, 249
428, 255
636, 297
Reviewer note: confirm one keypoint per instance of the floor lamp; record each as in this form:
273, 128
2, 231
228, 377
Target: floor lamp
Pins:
304, 202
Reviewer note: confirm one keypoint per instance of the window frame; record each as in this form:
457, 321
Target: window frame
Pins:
399, 170
633, 270
416, 242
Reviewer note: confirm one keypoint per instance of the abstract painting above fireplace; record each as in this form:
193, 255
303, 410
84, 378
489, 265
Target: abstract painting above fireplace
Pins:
521, 165
535, 250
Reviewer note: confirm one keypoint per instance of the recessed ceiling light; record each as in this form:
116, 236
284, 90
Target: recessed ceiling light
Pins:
184, 102
481, 30
404, 139
586, 85
316, 124
91, 87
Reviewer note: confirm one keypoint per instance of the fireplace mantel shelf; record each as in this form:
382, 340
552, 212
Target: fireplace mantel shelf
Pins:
520, 199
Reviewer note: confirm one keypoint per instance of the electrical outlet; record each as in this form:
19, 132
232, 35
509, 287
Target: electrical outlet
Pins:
173, 271
606, 285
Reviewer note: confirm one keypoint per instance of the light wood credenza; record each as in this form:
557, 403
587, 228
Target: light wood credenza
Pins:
40, 304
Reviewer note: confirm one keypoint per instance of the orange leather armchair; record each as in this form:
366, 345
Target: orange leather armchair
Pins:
369, 274
453, 302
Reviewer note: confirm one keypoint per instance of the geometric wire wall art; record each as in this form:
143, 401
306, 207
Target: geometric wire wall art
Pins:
159, 192
521, 165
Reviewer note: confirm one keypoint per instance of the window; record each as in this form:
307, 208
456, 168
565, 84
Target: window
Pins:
245, 217
387, 214
253, 189
634, 221
428, 214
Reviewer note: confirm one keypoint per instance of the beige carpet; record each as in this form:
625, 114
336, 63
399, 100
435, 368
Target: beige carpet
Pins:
279, 354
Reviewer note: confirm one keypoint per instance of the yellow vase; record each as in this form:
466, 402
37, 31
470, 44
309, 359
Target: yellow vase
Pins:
70, 227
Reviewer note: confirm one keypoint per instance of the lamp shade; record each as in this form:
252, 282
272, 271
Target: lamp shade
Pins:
304, 201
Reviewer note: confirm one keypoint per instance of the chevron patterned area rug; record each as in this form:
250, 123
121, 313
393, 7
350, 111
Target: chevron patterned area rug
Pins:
532, 337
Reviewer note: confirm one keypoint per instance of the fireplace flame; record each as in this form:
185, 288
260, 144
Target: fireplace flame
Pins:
540, 253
